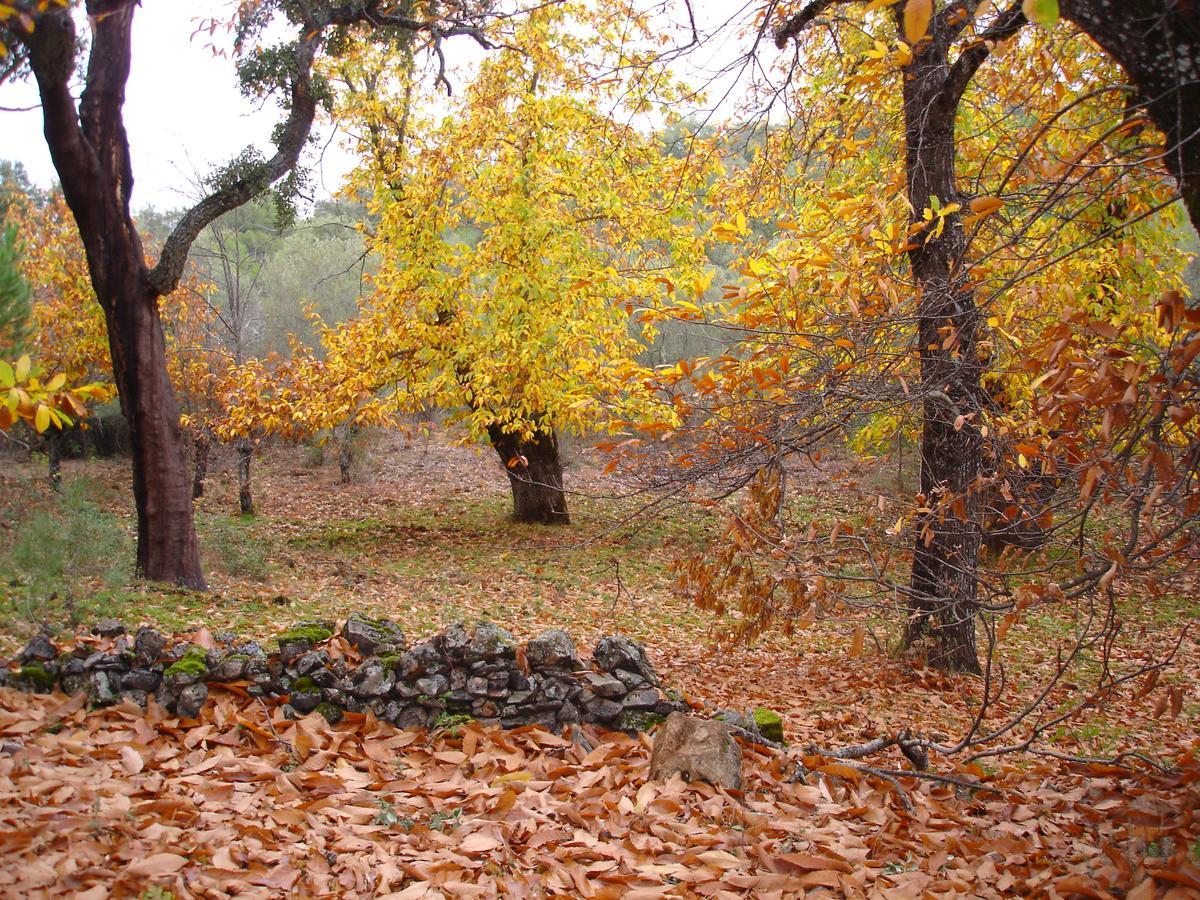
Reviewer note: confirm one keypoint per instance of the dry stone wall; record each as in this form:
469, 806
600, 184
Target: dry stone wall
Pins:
369, 664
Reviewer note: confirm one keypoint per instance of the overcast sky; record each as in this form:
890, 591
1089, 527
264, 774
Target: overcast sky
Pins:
183, 111
185, 115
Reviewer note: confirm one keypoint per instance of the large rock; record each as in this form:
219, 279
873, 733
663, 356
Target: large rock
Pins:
698, 749
491, 642
617, 654
39, 649
552, 649
368, 635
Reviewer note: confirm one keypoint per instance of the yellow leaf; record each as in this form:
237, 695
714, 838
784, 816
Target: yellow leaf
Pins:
984, 206
56, 382
917, 14
23, 366
41, 420
509, 777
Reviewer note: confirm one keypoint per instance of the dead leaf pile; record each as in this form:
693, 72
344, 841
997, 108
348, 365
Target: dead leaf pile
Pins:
245, 802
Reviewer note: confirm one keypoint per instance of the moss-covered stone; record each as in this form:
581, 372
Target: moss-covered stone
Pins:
769, 724
312, 632
34, 677
193, 663
304, 685
640, 721
331, 711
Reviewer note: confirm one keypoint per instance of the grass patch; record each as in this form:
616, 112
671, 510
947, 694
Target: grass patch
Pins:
67, 557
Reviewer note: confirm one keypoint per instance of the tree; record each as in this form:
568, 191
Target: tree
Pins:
975, 202
90, 150
1157, 44
15, 309
518, 237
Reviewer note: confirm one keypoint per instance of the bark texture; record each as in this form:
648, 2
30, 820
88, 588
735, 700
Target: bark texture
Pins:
91, 154
1157, 44
535, 475
245, 457
944, 583
201, 448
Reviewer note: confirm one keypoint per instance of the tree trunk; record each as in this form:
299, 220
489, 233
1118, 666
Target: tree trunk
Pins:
167, 549
54, 455
1157, 43
535, 475
201, 447
943, 586
346, 452
245, 455
90, 151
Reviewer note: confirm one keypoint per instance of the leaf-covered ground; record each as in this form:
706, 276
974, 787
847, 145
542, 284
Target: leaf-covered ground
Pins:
246, 803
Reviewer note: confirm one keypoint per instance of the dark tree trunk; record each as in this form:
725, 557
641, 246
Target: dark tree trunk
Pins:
245, 456
91, 154
201, 447
535, 475
346, 452
167, 548
54, 455
1157, 43
944, 582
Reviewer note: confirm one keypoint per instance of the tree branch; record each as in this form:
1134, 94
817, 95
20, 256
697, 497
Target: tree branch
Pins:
969, 60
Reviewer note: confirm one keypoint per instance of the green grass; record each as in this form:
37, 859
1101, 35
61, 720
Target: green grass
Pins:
67, 559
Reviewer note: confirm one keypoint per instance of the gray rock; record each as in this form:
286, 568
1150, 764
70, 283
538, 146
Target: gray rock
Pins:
422, 658
631, 680
305, 703
191, 700
108, 628
368, 635
323, 678
138, 697
373, 680
141, 680
39, 649
568, 715
645, 698
311, 661
477, 684
602, 711
698, 749
604, 685
617, 652
413, 717
454, 642
406, 690
231, 668
491, 642
556, 689
485, 709
100, 690
551, 649
433, 685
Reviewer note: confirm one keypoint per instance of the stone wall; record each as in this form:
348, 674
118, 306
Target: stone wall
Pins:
482, 674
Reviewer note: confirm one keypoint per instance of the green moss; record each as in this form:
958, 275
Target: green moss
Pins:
194, 662
331, 711
389, 660
640, 721
304, 685
36, 678
769, 724
313, 632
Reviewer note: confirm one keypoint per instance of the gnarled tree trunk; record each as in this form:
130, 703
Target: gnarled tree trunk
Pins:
535, 475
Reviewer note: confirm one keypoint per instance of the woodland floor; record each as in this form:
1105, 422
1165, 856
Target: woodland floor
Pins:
110, 803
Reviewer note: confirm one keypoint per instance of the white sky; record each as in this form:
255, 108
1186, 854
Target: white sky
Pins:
183, 111
185, 115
